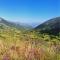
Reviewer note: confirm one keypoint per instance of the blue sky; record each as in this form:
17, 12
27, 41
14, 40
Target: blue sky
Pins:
29, 11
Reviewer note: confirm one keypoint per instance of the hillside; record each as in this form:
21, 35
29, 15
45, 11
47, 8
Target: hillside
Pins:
7, 24
51, 26
28, 45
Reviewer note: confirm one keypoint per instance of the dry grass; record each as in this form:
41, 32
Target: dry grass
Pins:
17, 46
24, 50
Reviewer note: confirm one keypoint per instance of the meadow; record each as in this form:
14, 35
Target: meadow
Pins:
17, 45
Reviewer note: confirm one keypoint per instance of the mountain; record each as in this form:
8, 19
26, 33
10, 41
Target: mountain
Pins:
26, 26
51, 26
4, 24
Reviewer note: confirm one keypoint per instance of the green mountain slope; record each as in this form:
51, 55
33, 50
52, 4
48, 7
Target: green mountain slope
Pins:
51, 26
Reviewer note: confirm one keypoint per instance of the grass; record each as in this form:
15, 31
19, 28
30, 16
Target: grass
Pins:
15, 45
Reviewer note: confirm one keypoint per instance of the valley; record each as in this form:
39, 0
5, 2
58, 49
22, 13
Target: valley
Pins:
20, 43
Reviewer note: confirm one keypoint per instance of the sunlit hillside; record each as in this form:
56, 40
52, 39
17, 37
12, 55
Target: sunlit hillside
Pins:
16, 44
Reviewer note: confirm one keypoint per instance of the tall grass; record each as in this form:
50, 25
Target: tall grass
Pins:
15, 45
25, 50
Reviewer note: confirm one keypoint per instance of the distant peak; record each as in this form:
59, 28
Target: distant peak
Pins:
1, 19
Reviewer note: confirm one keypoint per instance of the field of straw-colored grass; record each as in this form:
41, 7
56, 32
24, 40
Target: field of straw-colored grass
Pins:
25, 50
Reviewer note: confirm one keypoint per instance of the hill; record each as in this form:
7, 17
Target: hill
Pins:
28, 45
51, 26
7, 24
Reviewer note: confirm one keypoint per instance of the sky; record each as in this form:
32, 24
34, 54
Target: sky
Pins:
29, 11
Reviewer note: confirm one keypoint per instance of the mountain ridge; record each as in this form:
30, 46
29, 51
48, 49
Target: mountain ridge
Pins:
15, 25
52, 26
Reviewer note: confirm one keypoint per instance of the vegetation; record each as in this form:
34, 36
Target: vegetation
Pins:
28, 45
51, 26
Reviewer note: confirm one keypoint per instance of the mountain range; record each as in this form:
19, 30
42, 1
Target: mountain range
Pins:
51, 26
4, 23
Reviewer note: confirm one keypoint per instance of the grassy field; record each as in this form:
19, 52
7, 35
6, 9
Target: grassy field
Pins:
15, 45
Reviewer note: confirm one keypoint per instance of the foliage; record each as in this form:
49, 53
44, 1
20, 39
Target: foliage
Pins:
17, 45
